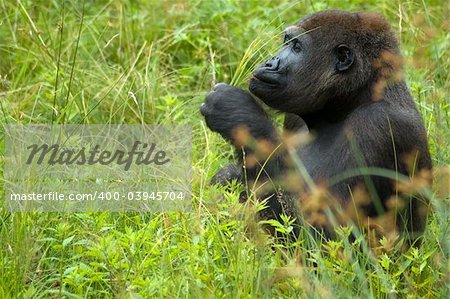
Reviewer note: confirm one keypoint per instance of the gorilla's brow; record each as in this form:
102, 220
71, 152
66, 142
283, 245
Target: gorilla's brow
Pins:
293, 32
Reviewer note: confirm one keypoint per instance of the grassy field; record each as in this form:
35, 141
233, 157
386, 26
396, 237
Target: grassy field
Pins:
114, 62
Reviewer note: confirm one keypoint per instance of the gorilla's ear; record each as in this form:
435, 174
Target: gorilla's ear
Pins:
344, 58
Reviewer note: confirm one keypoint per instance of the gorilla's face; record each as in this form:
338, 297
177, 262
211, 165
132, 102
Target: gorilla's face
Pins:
304, 74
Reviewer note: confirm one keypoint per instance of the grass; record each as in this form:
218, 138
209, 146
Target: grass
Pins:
111, 62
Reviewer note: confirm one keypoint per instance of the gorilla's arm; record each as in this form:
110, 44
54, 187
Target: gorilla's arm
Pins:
228, 109
234, 113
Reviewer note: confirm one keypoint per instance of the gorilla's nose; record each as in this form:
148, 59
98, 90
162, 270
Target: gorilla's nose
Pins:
273, 63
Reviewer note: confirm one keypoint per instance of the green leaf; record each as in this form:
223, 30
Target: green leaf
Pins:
67, 241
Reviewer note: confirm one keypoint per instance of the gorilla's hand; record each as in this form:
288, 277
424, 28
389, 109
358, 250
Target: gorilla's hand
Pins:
227, 109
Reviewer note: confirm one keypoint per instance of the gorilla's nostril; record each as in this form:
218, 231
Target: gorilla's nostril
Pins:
273, 63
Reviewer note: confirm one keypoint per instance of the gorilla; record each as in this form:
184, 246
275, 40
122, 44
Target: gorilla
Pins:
338, 79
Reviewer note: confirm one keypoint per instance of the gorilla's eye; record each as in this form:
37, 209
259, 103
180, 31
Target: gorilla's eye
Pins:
290, 40
296, 45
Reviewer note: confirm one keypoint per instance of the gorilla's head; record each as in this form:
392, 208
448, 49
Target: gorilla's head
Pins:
326, 57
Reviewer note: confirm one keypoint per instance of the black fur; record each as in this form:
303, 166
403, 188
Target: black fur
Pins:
338, 76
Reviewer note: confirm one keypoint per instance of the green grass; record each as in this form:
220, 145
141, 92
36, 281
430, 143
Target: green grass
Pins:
112, 62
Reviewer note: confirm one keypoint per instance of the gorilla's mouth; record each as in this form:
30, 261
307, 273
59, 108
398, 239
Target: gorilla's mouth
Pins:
266, 80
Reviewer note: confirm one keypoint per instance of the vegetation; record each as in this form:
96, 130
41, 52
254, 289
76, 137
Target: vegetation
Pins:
136, 61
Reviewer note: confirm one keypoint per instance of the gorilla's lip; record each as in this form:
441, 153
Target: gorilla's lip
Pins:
266, 80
